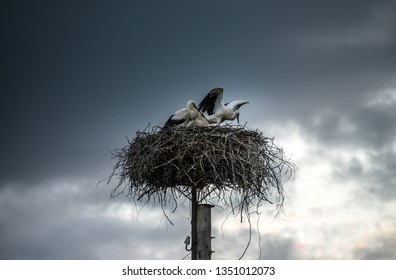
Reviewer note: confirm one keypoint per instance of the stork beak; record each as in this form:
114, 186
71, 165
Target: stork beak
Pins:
237, 118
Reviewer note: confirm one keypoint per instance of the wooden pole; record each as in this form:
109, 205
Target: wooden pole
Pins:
204, 237
201, 238
194, 204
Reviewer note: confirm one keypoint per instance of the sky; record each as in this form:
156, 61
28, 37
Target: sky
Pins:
80, 77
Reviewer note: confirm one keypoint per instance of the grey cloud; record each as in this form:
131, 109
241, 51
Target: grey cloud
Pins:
78, 221
380, 248
382, 253
376, 126
78, 80
364, 126
353, 169
254, 243
278, 248
372, 28
84, 89
375, 175
381, 178
368, 130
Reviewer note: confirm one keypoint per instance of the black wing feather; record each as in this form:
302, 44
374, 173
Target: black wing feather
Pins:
173, 122
203, 106
208, 103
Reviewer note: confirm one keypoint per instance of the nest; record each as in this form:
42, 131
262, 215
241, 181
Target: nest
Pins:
233, 165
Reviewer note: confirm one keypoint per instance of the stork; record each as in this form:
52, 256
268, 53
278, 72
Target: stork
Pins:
219, 112
187, 117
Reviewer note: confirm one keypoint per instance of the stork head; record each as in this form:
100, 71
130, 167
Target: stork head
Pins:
191, 105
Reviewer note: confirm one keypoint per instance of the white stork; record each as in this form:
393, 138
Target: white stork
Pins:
187, 117
218, 111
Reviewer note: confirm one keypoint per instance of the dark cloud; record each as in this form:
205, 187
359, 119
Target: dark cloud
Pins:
87, 68
278, 248
379, 248
248, 239
369, 126
381, 178
368, 133
77, 78
70, 220
377, 121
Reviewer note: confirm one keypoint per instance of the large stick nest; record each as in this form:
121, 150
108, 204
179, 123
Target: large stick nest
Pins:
226, 163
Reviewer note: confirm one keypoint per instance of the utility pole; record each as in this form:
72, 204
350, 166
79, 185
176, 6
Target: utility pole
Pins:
194, 204
201, 243
204, 234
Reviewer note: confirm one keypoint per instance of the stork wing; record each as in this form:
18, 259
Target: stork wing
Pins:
177, 118
235, 105
212, 102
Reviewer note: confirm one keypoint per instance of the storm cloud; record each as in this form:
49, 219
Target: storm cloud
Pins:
78, 78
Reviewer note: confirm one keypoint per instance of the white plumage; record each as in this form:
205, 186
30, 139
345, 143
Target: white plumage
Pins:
219, 112
187, 117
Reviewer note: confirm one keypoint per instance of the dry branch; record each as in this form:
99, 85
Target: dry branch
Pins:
235, 165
